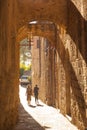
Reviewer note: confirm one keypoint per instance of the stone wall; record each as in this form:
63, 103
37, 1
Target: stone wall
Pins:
55, 11
43, 86
72, 50
8, 66
40, 67
36, 67
77, 56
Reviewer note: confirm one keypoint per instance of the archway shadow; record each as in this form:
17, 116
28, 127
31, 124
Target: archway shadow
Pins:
26, 121
77, 29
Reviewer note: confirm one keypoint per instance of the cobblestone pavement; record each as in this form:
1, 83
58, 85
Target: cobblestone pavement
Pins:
40, 117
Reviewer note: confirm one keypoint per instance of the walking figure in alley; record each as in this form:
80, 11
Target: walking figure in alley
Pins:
36, 89
29, 93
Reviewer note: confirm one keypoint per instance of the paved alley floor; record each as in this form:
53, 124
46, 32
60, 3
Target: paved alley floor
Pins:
40, 117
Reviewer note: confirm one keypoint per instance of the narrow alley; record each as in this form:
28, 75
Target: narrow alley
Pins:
40, 117
43, 43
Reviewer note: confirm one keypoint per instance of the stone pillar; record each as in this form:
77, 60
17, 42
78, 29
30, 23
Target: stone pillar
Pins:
43, 71
50, 78
56, 80
53, 82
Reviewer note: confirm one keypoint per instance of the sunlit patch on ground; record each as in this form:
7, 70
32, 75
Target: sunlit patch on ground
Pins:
48, 117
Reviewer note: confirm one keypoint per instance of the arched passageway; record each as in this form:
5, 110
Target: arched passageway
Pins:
70, 59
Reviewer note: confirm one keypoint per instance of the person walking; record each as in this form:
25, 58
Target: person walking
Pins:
36, 89
29, 93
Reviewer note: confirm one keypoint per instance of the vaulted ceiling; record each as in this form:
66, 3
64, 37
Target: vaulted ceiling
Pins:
50, 10
41, 10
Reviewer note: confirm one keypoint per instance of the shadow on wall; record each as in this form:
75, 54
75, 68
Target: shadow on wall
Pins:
77, 29
75, 86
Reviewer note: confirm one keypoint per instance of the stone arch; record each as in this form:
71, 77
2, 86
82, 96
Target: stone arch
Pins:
68, 17
55, 11
48, 31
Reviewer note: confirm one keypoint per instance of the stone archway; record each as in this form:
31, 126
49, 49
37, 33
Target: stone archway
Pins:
40, 10
48, 31
45, 29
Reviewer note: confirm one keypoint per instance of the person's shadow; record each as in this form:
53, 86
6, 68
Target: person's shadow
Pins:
33, 106
40, 105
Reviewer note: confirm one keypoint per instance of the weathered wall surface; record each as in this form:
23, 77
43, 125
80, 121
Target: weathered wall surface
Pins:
43, 70
8, 66
49, 10
72, 50
77, 56
36, 64
40, 67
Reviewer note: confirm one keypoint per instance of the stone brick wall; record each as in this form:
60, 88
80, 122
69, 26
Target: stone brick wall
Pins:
72, 67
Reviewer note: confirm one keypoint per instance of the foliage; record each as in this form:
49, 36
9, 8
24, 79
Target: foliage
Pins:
24, 67
25, 57
29, 78
21, 71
